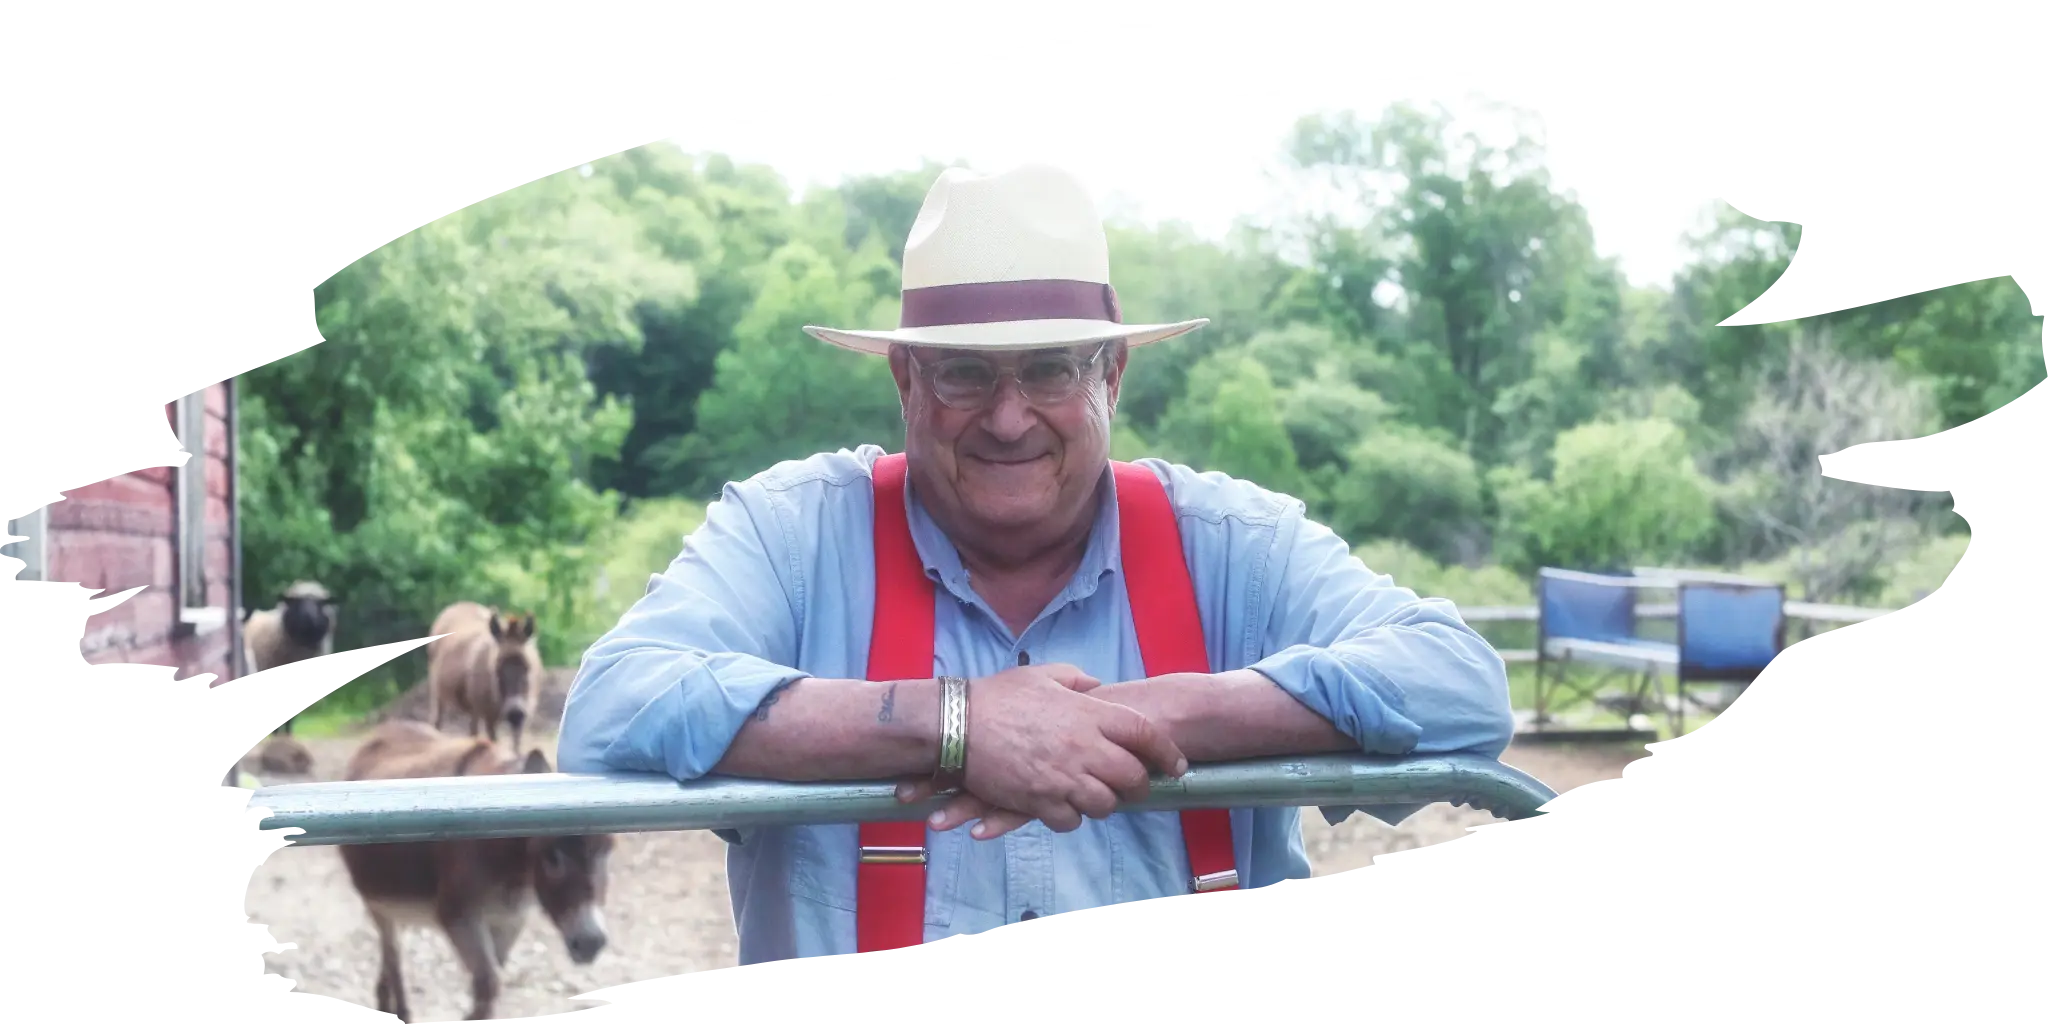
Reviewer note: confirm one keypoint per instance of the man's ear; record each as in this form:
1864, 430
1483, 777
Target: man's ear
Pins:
1118, 357
905, 374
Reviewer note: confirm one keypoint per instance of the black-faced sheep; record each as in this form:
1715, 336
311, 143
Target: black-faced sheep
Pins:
301, 626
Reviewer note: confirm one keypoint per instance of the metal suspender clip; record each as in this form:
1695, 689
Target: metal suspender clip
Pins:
892, 855
1216, 880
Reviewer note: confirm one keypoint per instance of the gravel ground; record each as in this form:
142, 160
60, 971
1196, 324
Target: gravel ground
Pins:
668, 911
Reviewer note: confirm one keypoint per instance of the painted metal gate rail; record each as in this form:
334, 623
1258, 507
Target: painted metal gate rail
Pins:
482, 807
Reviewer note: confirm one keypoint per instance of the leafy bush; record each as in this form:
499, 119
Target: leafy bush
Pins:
1923, 571
1485, 585
582, 593
1910, 572
1407, 484
1229, 421
647, 538
1620, 493
1126, 444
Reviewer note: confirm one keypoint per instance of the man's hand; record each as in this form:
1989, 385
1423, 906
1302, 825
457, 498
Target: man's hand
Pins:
1221, 717
1038, 747
966, 807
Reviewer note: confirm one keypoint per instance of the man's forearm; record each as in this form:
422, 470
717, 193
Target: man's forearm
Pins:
827, 729
1229, 716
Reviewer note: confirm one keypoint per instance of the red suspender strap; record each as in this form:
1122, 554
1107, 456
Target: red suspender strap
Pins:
1169, 626
889, 893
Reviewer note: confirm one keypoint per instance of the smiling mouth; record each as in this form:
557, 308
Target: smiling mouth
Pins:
1008, 462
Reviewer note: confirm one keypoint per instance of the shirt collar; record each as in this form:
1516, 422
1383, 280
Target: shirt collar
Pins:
942, 563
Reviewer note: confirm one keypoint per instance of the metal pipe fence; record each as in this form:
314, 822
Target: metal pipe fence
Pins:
502, 806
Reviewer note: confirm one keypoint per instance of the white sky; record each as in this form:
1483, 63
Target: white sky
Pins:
1195, 158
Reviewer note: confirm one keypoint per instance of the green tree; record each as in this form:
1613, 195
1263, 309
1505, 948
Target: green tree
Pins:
1332, 389
883, 207
1734, 260
1462, 253
1229, 421
1977, 345
1409, 484
723, 218
1839, 534
1167, 274
780, 394
441, 438
1620, 492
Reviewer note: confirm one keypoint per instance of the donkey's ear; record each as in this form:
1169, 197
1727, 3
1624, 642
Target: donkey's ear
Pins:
530, 627
536, 763
497, 627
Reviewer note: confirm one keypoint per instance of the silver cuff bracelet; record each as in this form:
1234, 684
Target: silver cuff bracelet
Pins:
952, 734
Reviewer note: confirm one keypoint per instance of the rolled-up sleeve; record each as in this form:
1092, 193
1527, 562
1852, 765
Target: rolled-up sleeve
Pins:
1399, 674
670, 686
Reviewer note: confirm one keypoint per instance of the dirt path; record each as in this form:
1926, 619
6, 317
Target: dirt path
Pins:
668, 911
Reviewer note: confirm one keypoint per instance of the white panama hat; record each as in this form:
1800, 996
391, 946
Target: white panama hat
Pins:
1006, 261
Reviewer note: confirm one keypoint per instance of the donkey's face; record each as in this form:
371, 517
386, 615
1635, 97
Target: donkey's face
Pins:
516, 663
569, 880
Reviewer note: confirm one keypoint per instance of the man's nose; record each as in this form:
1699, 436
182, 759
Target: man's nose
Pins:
1009, 414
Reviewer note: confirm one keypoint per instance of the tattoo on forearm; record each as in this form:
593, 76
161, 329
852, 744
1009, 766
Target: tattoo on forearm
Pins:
761, 713
888, 712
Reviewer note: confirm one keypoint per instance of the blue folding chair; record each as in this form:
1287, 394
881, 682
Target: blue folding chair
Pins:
1590, 618
1727, 633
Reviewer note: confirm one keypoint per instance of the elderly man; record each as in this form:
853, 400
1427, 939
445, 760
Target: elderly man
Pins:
1002, 614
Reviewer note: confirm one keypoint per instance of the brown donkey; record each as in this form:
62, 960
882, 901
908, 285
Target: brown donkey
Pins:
477, 892
488, 667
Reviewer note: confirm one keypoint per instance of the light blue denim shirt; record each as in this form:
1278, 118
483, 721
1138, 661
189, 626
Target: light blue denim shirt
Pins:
778, 584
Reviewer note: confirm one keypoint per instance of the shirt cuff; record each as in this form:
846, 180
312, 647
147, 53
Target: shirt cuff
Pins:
690, 726
1358, 701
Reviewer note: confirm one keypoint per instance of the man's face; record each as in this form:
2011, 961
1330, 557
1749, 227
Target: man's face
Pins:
1007, 439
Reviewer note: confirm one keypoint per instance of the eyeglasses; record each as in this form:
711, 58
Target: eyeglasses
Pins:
967, 382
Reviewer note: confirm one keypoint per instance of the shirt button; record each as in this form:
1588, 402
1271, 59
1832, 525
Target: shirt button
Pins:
1023, 657
1027, 915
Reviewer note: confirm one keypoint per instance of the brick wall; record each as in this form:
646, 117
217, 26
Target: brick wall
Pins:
122, 533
